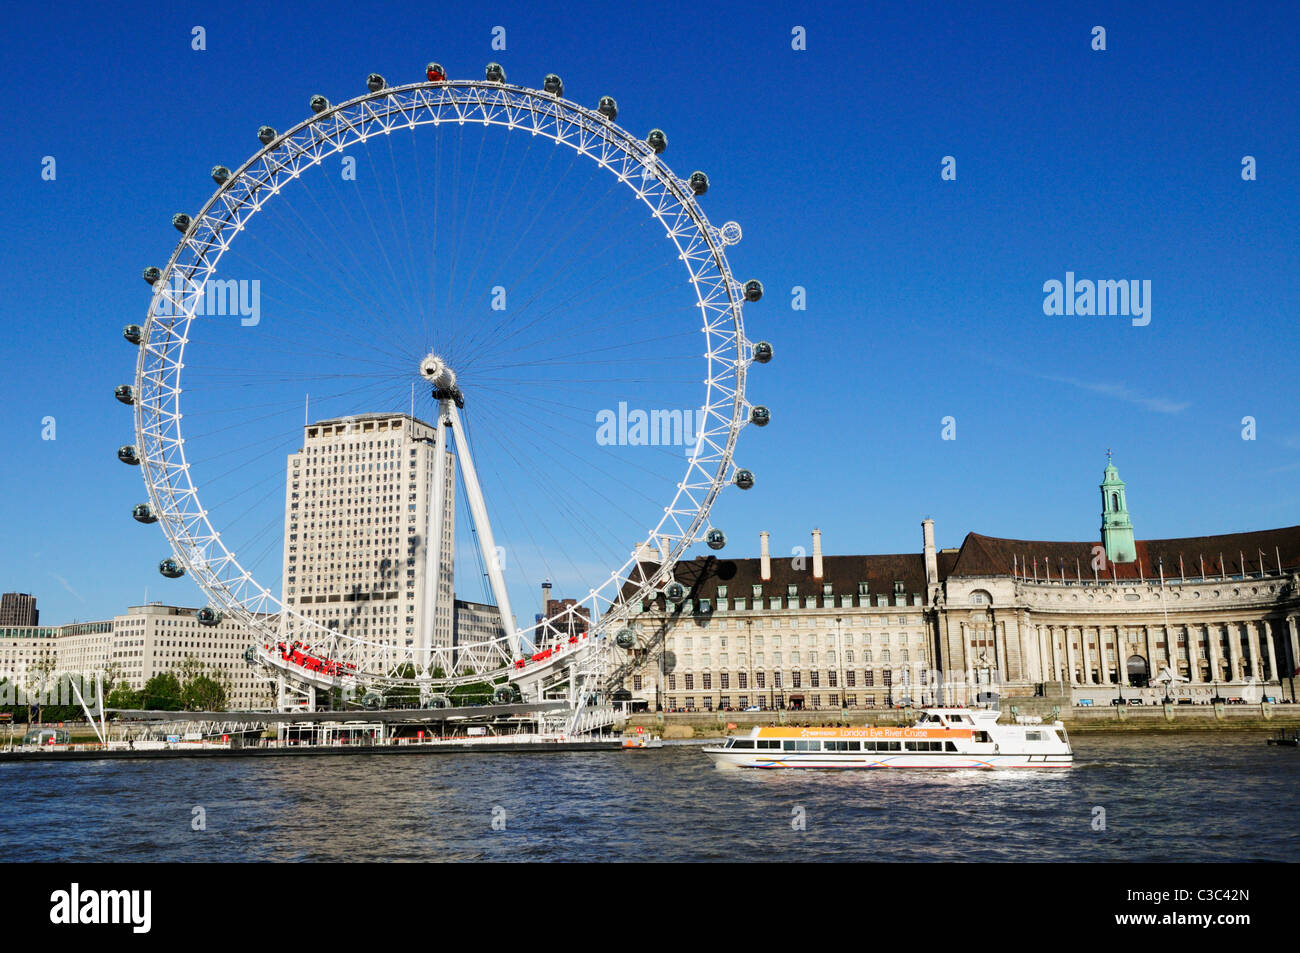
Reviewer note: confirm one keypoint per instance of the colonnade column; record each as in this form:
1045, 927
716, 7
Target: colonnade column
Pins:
1234, 650
1069, 652
1193, 657
1252, 649
1103, 662
1212, 641
1151, 657
1267, 629
1087, 655
1294, 661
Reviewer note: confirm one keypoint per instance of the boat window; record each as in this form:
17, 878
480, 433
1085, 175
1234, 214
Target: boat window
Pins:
769, 744
809, 746
949, 746
731, 743
1033, 736
790, 745
742, 743
982, 736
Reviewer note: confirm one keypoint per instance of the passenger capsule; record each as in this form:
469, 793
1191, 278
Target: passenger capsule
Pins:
375, 82
744, 479
143, 513
753, 289
127, 455
318, 104
505, 695
133, 333
716, 539
181, 222
759, 415
626, 639
171, 568
152, 274
553, 85
675, 592
699, 183
494, 73
372, 701
657, 141
207, 616
220, 174
435, 73
250, 655
762, 352
125, 393
266, 135
608, 108
437, 701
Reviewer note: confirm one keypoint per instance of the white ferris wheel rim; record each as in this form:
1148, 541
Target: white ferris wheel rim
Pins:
198, 546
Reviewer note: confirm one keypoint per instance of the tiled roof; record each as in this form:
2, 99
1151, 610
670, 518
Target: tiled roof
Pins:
704, 574
1241, 553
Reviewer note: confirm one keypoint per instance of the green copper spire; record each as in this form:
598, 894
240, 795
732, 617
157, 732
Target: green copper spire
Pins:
1116, 526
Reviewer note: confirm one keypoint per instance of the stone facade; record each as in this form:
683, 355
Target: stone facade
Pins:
1190, 619
144, 641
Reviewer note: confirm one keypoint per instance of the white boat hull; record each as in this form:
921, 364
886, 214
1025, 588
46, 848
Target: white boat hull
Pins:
731, 758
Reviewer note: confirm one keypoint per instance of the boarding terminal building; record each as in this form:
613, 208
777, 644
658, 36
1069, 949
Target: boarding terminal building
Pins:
1191, 620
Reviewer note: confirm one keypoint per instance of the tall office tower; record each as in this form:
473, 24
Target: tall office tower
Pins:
355, 517
18, 608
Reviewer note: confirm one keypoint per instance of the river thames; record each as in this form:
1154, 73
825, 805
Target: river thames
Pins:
1212, 796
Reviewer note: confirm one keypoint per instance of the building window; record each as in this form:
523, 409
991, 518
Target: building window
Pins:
795, 679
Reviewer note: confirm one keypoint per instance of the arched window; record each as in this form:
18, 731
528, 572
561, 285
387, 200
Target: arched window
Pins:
1114, 502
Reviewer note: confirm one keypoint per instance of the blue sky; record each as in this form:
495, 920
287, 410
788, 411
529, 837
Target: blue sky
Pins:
924, 297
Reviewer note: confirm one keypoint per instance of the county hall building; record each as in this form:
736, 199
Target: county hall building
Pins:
1191, 620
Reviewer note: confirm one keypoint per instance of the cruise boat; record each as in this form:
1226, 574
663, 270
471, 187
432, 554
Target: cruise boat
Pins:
939, 738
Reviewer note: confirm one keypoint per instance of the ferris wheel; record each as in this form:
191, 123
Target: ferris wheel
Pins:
366, 280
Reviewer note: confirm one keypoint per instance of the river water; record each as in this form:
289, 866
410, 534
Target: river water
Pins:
1191, 797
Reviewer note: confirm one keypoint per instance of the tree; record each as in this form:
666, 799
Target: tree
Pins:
38, 677
407, 696
123, 696
162, 693
202, 693
191, 668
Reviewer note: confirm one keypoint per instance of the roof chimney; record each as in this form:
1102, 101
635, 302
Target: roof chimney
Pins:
765, 558
931, 561
817, 554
